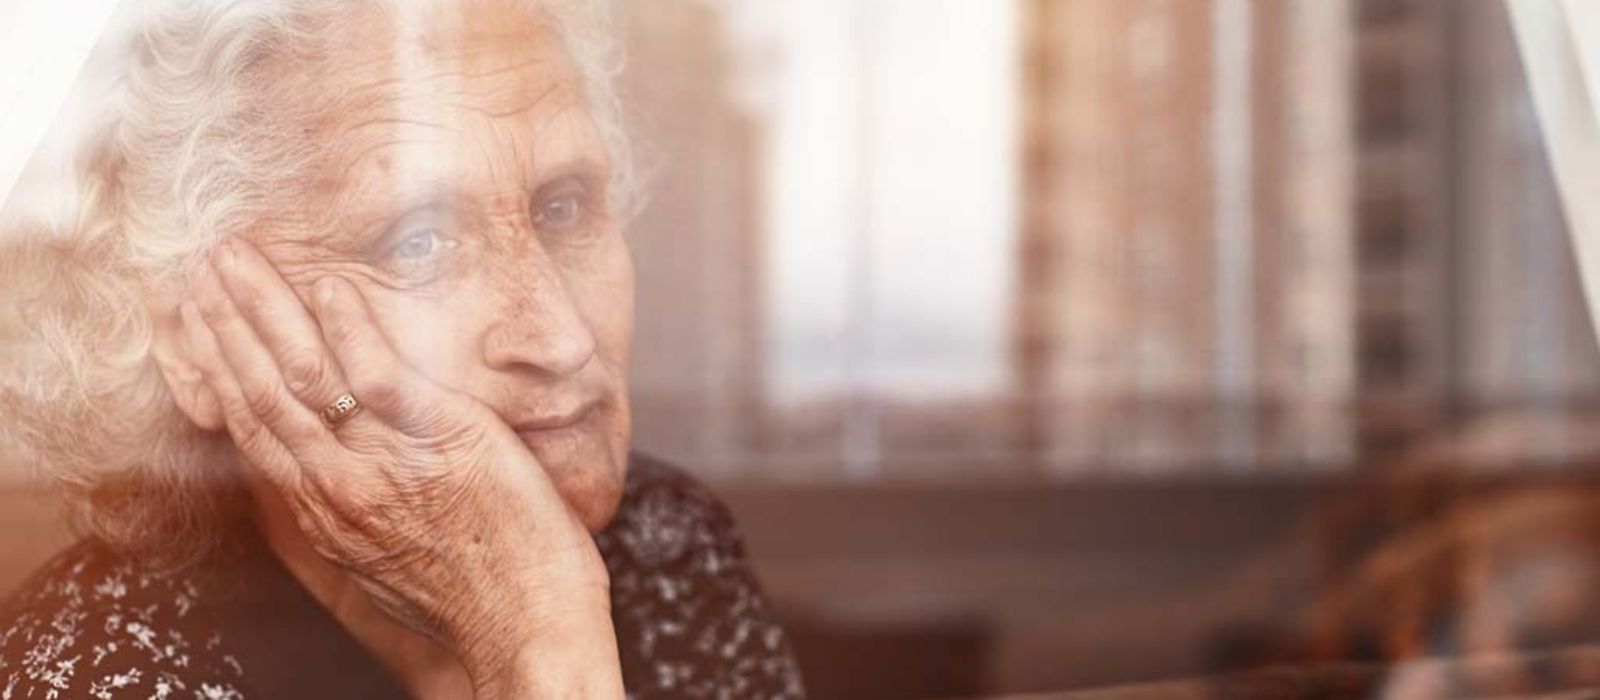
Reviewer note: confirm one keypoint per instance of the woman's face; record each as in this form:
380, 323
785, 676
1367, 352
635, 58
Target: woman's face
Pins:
463, 191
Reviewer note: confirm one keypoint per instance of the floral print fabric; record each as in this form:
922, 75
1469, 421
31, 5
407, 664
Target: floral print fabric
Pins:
690, 618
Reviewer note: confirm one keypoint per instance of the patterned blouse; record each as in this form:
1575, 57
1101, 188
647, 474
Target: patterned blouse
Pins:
690, 619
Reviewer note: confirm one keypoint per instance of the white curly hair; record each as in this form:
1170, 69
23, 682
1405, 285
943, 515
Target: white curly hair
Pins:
190, 151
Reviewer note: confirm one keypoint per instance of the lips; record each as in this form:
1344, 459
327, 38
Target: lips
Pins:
560, 442
556, 421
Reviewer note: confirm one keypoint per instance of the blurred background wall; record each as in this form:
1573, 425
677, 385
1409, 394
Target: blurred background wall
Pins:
1043, 343
1061, 237
1032, 334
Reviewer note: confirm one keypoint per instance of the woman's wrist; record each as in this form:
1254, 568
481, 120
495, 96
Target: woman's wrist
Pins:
582, 664
565, 649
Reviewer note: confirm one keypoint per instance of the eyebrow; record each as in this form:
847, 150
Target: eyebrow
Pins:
591, 170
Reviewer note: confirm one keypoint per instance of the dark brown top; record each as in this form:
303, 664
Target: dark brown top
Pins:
690, 618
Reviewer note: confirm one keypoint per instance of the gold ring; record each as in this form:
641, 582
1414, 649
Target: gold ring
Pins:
340, 410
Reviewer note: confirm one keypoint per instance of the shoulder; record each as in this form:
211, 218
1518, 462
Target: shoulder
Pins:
93, 624
690, 614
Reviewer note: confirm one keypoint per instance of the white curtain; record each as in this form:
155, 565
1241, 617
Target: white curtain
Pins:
44, 45
1560, 44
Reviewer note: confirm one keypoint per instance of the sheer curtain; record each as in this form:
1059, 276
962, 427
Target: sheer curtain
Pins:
44, 46
1560, 43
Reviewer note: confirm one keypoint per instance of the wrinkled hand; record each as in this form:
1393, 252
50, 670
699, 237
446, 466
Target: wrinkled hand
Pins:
428, 500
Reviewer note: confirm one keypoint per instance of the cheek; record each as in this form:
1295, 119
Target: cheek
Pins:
604, 290
431, 335
439, 335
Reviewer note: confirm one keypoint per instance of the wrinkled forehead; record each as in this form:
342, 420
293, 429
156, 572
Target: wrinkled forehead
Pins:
448, 60
462, 93
409, 37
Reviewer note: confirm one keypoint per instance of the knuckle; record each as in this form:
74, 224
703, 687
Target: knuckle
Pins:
304, 371
379, 390
212, 308
308, 523
343, 335
352, 513
253, 438
249, 301
262, 399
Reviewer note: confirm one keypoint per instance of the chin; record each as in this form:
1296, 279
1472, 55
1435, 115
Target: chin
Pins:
587, 462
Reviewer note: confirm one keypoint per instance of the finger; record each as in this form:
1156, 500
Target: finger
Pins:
378, 377
253, 438
260, 383
283, 324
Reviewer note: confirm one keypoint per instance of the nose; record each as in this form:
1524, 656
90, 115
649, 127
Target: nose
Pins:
541, 328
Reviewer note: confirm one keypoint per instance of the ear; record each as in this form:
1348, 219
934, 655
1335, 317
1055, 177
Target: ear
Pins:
176, 361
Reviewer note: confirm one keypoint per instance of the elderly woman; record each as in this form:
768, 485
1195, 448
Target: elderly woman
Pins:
334, 362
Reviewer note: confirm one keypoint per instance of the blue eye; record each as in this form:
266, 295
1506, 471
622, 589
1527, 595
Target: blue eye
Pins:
420, 244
